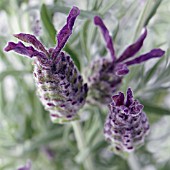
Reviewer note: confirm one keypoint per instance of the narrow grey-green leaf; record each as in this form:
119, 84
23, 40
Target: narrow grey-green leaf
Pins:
13, 73
151, 108
107, 6
92, 29
151, 72
146, 15
83, 36
47, 22
153, 11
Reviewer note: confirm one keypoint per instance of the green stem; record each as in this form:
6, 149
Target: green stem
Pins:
133, 162
87, 163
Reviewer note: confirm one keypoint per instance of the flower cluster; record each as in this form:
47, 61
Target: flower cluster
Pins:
126, 125
59, 84
107, 73
61, 89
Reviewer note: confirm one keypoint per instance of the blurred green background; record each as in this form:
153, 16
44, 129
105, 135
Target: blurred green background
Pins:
26, 132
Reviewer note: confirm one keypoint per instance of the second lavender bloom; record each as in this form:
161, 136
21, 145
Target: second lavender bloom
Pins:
107, 73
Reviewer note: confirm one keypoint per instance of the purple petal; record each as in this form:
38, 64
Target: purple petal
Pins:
121, 69
118, 99
23, 50
131, 50
32, 40
66, 31
155, 53
136, 108
72, 17
129, 99
98, 21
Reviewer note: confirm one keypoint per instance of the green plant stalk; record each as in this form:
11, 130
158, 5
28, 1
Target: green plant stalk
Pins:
133, 162
87, 163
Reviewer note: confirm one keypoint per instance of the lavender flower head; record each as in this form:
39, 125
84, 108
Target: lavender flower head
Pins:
126, 125
107, 73
59, 84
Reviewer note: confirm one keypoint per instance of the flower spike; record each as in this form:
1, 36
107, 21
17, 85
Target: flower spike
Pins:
66, 31
59, 84
98, 21
134, 48
106, 74
126, 125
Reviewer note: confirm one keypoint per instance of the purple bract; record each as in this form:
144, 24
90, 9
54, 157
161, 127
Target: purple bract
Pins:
126, 125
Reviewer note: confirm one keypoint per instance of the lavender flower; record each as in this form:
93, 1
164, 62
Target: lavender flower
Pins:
59, 84
107, 73
26, 167
126, 125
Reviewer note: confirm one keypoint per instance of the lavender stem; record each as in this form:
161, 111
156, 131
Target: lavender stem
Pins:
133, 162
87, 163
